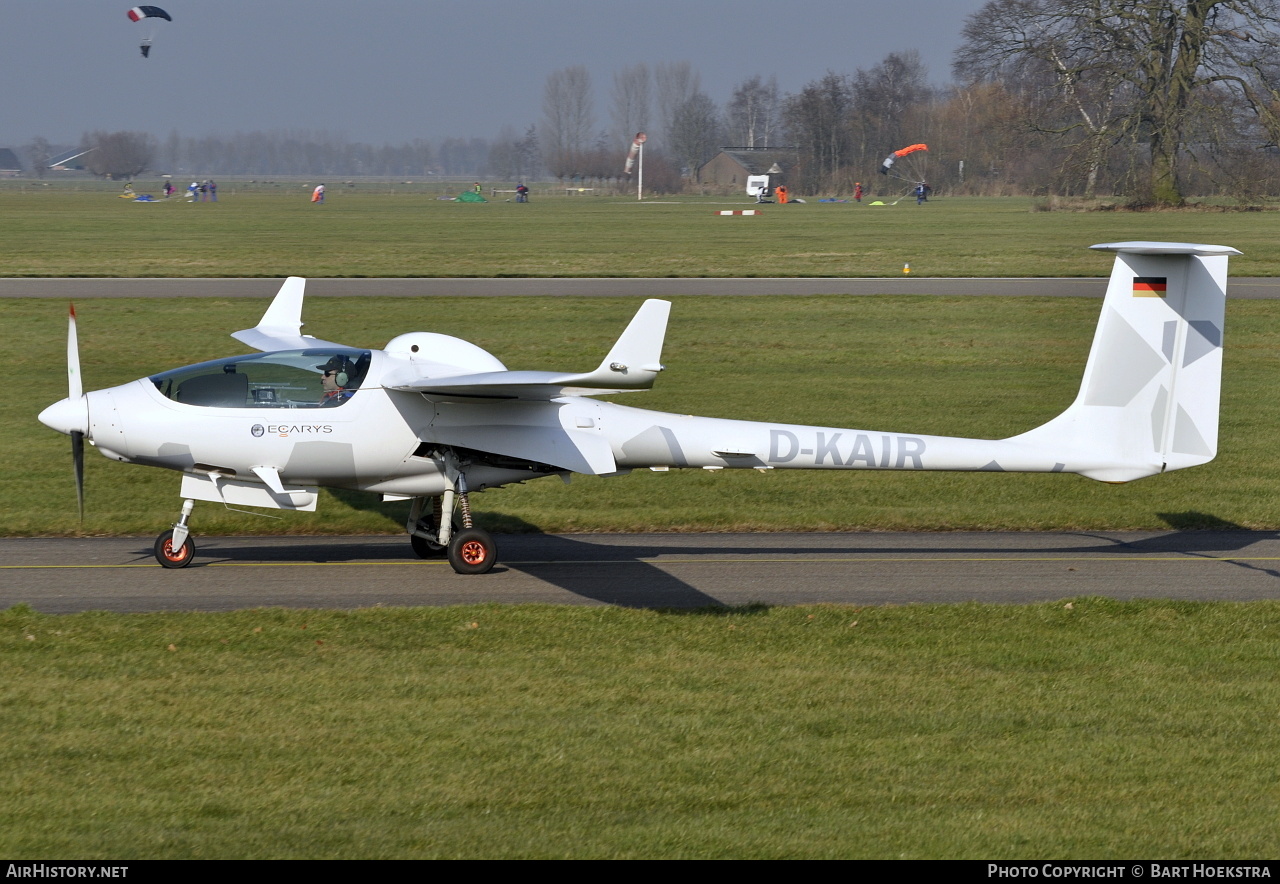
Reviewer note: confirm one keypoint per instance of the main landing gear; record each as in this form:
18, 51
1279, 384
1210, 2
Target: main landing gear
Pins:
433, 535
470, 550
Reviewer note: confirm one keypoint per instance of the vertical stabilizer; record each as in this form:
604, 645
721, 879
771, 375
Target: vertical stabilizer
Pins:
1149, 398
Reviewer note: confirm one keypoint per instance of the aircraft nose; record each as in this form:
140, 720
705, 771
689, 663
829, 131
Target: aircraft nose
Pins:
67, 416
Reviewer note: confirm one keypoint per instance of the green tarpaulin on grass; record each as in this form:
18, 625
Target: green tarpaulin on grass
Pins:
471, 197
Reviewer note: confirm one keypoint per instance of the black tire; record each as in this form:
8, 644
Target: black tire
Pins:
472, 551
169, 557
425, 549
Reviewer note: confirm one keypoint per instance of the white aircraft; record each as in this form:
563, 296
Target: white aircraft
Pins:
432, 419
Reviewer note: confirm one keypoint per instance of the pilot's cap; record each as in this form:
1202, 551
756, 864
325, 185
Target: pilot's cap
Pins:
335, 363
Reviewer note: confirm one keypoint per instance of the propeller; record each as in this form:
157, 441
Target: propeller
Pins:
71, 415
75, 392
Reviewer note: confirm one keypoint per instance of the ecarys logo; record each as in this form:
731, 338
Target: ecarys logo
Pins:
286, 430
849, 449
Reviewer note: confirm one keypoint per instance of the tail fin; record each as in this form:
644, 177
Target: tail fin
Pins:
1149, 398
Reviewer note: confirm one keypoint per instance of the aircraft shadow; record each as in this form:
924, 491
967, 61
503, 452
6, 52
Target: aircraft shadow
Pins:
636, 578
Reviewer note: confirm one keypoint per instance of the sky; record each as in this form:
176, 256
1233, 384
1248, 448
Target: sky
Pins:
391, 71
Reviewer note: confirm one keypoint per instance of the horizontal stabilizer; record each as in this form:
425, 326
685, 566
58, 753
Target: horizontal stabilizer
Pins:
281, 326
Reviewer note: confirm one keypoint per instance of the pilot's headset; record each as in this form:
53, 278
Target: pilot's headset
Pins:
341, 368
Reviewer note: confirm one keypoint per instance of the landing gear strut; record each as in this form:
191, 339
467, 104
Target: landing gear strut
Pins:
470, 550
174, 548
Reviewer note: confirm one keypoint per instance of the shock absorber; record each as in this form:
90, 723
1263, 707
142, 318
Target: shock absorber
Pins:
464, 501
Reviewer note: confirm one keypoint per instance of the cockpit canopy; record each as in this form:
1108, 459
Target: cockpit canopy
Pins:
280, 379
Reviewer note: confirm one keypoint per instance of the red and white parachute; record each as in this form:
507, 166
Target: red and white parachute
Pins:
151, 18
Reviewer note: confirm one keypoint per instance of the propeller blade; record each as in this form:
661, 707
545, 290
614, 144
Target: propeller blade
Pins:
75, 389
77, 464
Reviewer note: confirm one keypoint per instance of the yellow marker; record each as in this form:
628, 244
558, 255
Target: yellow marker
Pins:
906, 268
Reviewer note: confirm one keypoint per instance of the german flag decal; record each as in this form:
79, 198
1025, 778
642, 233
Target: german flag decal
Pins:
1149, 286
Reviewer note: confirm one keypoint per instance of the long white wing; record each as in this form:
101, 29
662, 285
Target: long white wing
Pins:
632, 364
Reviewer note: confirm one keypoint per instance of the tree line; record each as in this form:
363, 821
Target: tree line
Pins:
1150, 99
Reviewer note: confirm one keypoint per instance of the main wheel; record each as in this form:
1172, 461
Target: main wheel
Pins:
429, 549
170, 557
472, 551
425, 549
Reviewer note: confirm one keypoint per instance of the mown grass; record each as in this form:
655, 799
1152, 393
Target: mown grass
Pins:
981, 367
1088, 729
386, 230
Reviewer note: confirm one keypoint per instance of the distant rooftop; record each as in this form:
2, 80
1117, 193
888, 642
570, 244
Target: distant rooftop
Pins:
67, 156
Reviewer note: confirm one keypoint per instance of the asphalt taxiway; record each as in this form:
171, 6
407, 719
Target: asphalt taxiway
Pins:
66, 575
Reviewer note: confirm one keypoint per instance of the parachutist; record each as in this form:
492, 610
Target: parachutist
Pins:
153, 16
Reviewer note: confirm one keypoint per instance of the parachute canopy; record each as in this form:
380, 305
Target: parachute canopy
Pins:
151, 16
140, 12
899, 154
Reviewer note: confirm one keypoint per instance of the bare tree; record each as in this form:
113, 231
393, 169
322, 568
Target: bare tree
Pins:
1162, 64
1067, 82
818, 120
513, 157
630, 102
752, 113
123, 155
677, 82
39, 152
695, 133
883, 97
566, 108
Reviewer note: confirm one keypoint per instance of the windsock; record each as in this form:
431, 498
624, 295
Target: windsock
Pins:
634, 152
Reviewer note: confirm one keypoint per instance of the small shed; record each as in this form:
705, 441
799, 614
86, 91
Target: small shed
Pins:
731, 167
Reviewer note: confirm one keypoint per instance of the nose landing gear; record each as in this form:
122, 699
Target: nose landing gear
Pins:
174, 548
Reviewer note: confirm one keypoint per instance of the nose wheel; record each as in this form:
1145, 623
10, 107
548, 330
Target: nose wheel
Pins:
174, 548
172, 555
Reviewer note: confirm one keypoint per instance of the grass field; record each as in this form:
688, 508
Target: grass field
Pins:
1089, 729
1081, 729
382, 230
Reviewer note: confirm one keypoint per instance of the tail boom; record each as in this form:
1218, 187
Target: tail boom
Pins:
1148, 401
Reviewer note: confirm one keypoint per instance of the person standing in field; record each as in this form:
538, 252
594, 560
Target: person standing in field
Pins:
857, 192
317, 195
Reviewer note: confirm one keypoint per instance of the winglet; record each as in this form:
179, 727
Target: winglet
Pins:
285, 312
281, 326
636, 357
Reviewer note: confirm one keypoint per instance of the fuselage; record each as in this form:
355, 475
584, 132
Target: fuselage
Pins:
233, 417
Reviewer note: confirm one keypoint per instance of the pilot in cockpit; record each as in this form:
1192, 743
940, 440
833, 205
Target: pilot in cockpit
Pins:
337, 375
